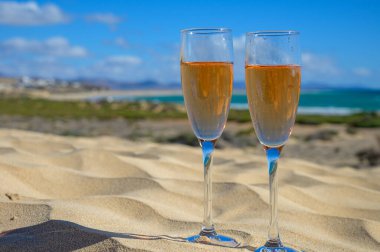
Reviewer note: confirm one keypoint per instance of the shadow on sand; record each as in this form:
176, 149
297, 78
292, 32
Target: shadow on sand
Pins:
59, 235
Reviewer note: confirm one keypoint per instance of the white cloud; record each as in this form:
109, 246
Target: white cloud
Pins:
362, 72
105, 18
54, 46
30, 13
320, 68
163, 68
117, 67
123, 60
239, 57
319, 64
239, 43
47, 58
121, 42
46, 67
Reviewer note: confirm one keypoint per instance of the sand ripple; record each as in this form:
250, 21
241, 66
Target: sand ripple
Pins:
63, 194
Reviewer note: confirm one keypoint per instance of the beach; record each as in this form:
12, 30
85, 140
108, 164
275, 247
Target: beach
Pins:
103, 107
107, 175
64, 193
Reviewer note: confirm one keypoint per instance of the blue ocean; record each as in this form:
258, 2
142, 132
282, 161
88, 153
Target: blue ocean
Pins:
311, 101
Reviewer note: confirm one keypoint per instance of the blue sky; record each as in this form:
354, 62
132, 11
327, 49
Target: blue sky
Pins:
139, 40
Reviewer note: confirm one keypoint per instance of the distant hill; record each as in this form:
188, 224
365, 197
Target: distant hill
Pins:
122, 85
238, 85
324, 86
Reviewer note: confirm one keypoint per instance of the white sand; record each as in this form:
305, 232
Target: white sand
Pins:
63, 194
111, 93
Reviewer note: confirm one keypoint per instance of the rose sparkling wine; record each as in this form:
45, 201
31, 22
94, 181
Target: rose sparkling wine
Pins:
207, 90
273, 94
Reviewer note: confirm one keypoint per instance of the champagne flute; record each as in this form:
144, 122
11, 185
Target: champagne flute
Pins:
273, 77
206, 77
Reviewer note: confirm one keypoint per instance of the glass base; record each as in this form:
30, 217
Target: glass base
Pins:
274, 246
212, 238
275, 249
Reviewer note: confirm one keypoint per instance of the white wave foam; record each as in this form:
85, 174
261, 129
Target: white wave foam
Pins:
312, 110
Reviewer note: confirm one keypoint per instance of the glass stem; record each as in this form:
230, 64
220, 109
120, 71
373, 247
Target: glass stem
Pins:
207, 151
273, 154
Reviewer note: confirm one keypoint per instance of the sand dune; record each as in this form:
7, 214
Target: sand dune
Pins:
63, 194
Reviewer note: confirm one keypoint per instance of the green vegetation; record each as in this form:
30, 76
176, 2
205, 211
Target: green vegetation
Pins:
28, 107
239, 116
245, 132
364, 120
80, 109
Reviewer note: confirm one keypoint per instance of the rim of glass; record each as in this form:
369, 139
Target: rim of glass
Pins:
273, 33
205, 30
